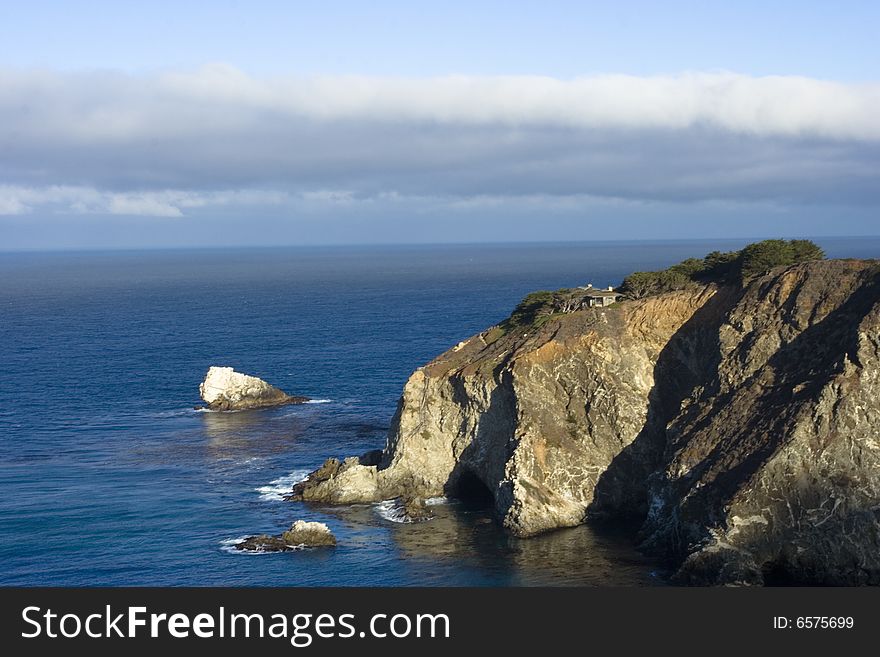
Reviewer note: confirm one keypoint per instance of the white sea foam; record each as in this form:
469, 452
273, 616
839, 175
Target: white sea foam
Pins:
276, 489
392, 510
228, 545
177, 412
318, 401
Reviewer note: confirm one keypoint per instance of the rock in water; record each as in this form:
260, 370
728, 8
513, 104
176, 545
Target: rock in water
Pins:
739, 423
301, 534
224, 389
416, 510
309, 534
263, 543
348, 482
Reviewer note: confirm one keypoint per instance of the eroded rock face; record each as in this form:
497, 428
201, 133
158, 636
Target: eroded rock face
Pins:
772, 469
536, 415
740, 424
225, 389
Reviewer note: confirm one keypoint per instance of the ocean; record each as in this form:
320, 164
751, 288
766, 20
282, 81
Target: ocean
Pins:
108, 476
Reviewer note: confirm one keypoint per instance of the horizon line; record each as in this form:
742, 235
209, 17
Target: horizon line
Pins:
339, 245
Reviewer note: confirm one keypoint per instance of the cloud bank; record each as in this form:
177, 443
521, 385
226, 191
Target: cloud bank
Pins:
175, 143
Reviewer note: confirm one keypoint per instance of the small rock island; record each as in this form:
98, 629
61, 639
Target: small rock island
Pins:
302, 534
224, 389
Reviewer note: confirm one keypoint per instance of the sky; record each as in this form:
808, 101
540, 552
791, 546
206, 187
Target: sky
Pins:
178, 124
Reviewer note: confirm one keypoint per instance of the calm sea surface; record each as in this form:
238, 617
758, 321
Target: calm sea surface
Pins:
108, 475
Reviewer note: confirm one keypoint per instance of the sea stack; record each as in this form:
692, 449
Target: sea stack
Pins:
224, 389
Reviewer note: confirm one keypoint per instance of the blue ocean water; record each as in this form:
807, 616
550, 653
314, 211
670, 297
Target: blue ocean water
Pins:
109, 477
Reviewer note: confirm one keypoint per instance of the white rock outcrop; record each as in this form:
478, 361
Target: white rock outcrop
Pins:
225, 389
302, 534
309, 534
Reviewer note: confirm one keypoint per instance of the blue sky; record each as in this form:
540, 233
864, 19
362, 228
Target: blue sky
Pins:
178, 124
832, 40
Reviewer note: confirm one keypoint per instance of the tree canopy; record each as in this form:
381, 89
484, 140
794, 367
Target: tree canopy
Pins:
722, 267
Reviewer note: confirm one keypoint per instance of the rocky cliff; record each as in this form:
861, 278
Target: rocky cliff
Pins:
772, 467
739, 423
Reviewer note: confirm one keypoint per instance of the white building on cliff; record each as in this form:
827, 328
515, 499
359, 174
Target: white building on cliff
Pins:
600, 297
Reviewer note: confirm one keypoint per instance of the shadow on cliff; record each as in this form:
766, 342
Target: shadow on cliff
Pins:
690, 355
744, 428
485, 457
723, 440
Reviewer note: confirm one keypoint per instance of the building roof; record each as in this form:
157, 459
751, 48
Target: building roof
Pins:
596, 292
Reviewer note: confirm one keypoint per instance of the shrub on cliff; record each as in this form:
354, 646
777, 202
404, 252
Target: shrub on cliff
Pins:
721, 268
539, 306
642, 284
761, 257
530, 308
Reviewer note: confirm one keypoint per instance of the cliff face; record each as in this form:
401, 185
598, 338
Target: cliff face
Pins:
740, 423
534, 415
772, 468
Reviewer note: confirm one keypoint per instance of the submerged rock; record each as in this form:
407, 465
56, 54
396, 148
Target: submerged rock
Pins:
224, 389
738, 423
405, 511
415, 510
301, 534
263, 543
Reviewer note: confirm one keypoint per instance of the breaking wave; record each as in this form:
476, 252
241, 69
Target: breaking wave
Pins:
394, 510
276, 489
228, 545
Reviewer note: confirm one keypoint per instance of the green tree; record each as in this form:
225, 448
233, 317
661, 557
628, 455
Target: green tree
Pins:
531, 307
719, 266
761, 257
803, 250
639, 284
689, 267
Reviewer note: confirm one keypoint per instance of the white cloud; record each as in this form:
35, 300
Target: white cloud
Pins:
116, 106
163, 144
17, 200
143, 205
337, 196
